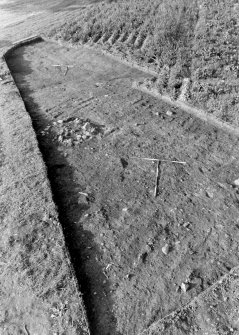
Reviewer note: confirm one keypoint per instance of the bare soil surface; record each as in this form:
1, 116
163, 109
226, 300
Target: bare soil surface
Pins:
213, 312
138, 257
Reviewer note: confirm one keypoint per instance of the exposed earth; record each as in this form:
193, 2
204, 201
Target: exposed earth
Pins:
142, 256
137, 257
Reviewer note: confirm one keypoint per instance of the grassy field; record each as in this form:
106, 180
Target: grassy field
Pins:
179, 39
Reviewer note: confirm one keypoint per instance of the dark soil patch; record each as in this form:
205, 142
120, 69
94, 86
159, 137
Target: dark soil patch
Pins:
116, 229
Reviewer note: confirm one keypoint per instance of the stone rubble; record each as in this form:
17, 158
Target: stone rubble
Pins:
72, 131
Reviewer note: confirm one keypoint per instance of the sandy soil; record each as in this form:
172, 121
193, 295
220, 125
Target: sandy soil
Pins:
134, 250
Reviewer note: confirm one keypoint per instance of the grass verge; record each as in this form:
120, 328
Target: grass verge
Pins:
39, 293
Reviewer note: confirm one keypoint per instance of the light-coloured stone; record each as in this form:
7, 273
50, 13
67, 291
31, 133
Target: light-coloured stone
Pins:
184, 287
165, 249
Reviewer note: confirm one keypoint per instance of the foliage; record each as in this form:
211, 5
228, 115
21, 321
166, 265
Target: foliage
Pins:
215, 59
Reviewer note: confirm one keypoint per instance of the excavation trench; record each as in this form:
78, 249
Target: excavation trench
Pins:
92, 128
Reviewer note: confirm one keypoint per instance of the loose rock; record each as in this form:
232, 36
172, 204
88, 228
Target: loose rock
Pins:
236, 182
73, 131
184, 287
165, 249
209, 193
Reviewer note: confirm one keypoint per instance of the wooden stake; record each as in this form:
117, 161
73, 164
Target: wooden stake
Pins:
7, 82
83, 193
161, 160
156, 180
67, 68
62, 65
27, 331
157, 172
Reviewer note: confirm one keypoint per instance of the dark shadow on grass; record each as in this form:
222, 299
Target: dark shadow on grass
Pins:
83, 250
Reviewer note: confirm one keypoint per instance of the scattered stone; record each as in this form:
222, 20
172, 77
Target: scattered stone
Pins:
86, 126
60, 138
165, 249
236, 182
186, 224
45, 218
73, 131
185, 287
68, 142
169, 113
209, 194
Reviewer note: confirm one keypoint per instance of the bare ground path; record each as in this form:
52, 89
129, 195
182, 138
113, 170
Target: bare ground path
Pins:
91, 127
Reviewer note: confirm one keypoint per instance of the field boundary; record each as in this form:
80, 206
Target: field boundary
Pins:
117, 57
199, 113
25, 167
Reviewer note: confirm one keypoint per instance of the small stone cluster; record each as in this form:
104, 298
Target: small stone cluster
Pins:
72, 131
